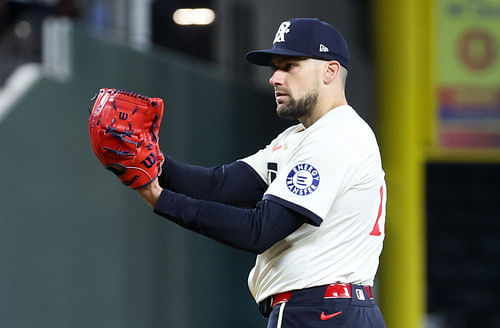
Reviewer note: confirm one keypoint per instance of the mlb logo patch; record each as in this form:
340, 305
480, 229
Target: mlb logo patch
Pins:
360, 295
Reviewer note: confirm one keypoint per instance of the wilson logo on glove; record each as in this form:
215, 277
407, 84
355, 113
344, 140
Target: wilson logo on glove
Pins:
124, 132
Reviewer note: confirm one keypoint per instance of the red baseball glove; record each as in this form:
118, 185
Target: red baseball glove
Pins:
124, 133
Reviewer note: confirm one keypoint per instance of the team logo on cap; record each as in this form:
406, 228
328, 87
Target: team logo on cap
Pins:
282, 30
303, 179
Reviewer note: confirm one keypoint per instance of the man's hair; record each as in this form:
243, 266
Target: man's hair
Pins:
343, 75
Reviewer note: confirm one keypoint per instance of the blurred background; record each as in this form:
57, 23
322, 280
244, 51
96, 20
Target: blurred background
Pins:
78, 249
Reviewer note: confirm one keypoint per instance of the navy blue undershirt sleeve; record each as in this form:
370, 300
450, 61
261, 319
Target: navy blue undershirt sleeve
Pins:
234, 184
253, 230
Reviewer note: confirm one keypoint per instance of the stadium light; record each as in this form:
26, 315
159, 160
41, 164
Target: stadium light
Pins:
194, 16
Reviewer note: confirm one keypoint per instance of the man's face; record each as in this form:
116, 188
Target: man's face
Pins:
296, 86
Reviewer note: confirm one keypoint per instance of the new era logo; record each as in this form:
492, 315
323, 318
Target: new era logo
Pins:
323, 48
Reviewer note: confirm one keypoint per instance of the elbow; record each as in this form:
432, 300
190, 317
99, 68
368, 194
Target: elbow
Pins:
260, 250
262, 245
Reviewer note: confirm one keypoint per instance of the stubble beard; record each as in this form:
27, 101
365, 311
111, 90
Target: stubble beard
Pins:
297, 108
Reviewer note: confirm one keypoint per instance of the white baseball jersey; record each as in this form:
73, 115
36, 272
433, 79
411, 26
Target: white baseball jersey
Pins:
332, 173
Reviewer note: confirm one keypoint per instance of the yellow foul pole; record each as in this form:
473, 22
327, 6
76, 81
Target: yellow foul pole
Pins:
403, 73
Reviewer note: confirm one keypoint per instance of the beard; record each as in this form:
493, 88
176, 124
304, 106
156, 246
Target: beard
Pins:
297, 108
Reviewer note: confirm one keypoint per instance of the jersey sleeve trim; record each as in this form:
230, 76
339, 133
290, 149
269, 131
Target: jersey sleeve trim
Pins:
314, 219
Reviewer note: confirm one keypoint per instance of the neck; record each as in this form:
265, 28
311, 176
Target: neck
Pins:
322, 108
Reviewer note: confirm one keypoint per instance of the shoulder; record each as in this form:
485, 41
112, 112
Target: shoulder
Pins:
343, 124
341, 133
290, 131
342, 117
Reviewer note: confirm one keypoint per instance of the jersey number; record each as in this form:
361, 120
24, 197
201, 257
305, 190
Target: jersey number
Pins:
376, 229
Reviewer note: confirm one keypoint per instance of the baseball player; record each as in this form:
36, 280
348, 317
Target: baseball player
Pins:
311, 204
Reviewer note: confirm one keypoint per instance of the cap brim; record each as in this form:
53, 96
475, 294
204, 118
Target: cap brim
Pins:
263, 57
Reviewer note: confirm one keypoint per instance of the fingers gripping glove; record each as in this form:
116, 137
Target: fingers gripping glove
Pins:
124, 133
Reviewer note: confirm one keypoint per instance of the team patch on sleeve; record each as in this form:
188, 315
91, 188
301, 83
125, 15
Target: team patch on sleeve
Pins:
303, 179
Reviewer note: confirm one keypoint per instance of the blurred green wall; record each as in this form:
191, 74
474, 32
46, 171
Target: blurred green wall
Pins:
77, 248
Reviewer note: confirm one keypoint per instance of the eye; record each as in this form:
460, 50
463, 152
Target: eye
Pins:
284, 66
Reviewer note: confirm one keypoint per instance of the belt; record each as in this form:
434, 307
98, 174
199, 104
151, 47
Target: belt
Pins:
337, 290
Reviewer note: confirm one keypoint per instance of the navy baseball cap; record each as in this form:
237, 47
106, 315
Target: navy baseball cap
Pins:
304, 37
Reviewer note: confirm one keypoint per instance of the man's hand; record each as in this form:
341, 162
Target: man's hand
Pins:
151, 192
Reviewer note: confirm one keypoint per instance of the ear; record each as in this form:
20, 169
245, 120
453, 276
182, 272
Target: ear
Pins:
332, 71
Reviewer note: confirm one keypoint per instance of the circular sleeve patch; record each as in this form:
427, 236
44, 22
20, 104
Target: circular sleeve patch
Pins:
303, 179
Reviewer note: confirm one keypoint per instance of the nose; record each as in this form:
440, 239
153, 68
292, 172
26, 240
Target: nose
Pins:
277, 78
